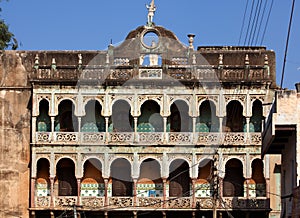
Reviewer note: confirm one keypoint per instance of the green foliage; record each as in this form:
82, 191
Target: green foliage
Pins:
7, 39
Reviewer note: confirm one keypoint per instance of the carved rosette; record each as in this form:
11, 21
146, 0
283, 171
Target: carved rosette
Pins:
121, 137
121, 202
179, 138
42, 201
235, 139
205, 203
66, 137
93, 137
92, 202
65, 201
209, 138
43, 137
255, 139
179, 203
151, 202
150, 138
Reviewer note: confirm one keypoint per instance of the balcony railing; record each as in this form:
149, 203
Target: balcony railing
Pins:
126, 72
149, 138
204, 203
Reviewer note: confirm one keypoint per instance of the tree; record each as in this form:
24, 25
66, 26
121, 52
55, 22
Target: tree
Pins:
7, 39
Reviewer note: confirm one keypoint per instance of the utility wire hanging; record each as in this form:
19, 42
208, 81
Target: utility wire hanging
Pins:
287, 43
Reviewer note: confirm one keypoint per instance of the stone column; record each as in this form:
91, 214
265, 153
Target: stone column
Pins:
52, 128
32, 193
33, 129
78, 191
135, 129
135, 192
248, 124
164, 192
79, 124
52, 191
247, 187
165, 119
220, 124
194, 130
106, 129
106, 192
193, 193
221, 187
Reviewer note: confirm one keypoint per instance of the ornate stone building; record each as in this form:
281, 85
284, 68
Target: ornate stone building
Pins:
149, 128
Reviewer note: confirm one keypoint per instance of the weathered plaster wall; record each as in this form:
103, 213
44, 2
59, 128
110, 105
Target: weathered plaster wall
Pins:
15, 96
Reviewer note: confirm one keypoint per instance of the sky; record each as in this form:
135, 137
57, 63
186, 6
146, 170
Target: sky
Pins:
92, 24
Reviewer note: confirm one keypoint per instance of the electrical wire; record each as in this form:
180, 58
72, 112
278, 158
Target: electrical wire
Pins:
249, 22
243, 23
253, 22
261, 21
256, 22
267, 22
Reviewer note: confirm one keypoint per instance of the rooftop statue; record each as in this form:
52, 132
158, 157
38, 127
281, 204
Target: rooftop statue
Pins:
151, 10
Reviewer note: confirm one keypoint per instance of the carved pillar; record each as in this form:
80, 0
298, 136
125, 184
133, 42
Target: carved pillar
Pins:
135, 192
221, 187
193, 193
52, 191
164, 192
194, 129
33, 129
79, 124
248, 124
220, 124
165, 130
52, 127
78, 191
247, 187
32, 193
135, 129
106, 192
106, 129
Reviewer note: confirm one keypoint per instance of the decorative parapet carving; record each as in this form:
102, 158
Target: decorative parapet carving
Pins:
150, 137
209, 138
204, 203
181, 203
150, 73
94, 138
92, 202
121, 74
243, 203
121, 202
124, 137
180, 138
150, 202
235, 138
255, 139
43, 137
42, 201
65, 201
66, 137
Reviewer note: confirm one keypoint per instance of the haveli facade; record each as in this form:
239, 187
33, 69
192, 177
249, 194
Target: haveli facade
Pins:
149, 128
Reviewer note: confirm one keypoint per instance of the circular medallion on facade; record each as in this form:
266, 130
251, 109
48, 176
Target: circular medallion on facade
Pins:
150, 39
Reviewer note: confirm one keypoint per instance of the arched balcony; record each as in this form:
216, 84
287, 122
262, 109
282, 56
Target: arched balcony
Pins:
43, 123
207, 121
233, 182
121, 180
235, 121
150, 183
258, 188
179, 179
179, 121
150, 119
257, 117
43, 178
66, 181
66, 121
203, 183
92, 184
93, 121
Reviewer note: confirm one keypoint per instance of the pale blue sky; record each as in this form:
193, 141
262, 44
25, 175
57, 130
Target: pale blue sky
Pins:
91, 24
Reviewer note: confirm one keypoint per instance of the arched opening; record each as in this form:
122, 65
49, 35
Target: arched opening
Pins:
207, 121
121, 120
150, 119
204, 180
179, 179
43, 178
66, 121
43, 123
257, 117
92, 182
235, 121
233, 183
93, 121
150, 182
258, 177
67, 183
121, 178
179, 121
